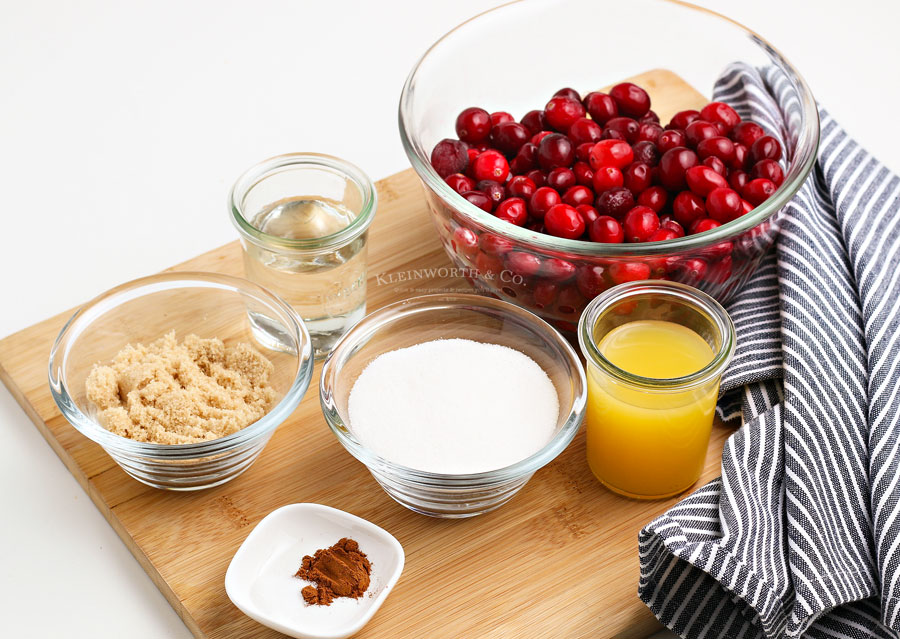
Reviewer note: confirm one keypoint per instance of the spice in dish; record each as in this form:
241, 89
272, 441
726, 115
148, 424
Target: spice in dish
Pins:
342, 570
168, 392
453, 406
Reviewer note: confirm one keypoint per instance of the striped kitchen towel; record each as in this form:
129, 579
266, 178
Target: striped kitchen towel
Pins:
800, 537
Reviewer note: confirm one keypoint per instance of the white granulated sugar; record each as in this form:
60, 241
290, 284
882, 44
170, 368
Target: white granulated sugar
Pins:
454, 406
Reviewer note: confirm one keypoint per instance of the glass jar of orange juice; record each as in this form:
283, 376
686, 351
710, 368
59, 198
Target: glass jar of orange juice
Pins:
655, 352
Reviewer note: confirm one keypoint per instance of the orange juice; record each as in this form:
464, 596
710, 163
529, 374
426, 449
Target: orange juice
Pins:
649, 441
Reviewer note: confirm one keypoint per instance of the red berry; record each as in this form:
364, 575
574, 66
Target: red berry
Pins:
649, 116
631, 99
557, 270
758, 191
720, 113
628, 128
537, 137
479, 199
601, 107
670, 224
649, 132
621, 272
670, 139
563, 220
509, 137
640, 223
591, 280
570, 301
765, 148
687, 208
747, 133
716, 165
615, 202
700, 130
473, 125
513, 210
524, 264
637, 177
464, 241
578, 195
741, 157
655, 197
542, 200
460, 183
555, 150
718, 146
544, 294
493, 190
672, 166
611, 153
723, 204
662, 234
768, 169
737, 179
746, 207
499, 117
689, 269
525, 160
588, 213
584, 130
607, 177
607, 230
583, 151
490, 165
561, 179
535, 121
704, 224
568, 92
449, 156
646, 152
682, 119
583, 174
537, 176
473, 153
494, 244
487, 264
561, 112
520, 186
702, 179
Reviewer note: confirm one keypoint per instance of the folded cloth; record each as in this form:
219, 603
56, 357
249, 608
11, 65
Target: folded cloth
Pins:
800, 537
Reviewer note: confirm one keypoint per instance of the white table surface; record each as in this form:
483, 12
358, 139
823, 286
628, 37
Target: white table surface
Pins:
122, 126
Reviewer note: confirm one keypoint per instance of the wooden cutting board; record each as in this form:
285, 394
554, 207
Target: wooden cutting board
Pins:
559, 560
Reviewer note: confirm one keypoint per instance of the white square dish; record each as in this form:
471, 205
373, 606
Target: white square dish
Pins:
260, 579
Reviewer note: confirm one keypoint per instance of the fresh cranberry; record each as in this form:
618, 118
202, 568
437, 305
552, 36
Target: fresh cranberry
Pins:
490, 165
499, 117
494, 244
646, 152
537, 176
723, 204
567, 92
621, 272
583, 174
672, 166
578, 195
555, 150
689, 269
588, 213
717, 146
720, 113
615, 202
570, 301
649, 132
537, 137
479, 199
662, 234
631, 99
449, 156
607, 230
702, 179
640, 223
535, 121
583, 151
493, 190
668, 222
584, 130
535, 225
520, 186
741, 157
637, 177
747, 133
561, 179
557, 270
720, 272
460, 183
542, 200
746, 207
765, 148
737, 179
768, 169
524, 264
612, 134
525, 160
601, 107
704, 224
473, 153
564, 221
607, 177
591, 280
488, 265
473, 125
649, 116
464, 241
758, 191
716, 165
700, 130
682, 119
561, 112
687, 208
655, 197
611, 153
513, 210
544, 294
671, 139
627, 127
509, 137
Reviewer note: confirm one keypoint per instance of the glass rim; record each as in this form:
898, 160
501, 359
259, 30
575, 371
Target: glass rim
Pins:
795, 176
260, 171
677, 291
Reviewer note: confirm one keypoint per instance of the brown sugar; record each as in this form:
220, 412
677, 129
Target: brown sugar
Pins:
339, 571
171, 393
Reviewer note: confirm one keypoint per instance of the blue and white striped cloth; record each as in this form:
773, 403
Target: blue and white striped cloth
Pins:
800, 537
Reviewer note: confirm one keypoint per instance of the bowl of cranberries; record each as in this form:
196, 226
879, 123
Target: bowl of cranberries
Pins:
546, 196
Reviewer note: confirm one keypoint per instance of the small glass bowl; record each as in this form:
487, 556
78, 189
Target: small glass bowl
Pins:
461, 316
208, 305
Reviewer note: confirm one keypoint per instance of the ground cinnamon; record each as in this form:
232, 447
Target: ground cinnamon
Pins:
340, 571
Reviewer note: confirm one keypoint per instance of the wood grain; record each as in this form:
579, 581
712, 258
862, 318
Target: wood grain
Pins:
559, 560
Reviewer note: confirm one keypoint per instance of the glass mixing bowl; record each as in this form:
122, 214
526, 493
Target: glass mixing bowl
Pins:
208, 305
513, 58
470, 317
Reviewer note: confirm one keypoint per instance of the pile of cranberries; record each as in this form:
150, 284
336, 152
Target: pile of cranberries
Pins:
602, 168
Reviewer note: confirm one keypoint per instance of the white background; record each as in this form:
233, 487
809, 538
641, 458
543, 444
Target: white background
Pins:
122, 125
